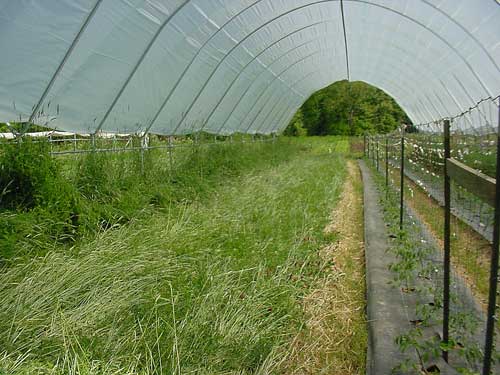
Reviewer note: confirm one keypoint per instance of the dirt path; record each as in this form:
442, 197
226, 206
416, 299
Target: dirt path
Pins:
334, 338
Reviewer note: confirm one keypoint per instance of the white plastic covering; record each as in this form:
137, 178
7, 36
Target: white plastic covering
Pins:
177, 66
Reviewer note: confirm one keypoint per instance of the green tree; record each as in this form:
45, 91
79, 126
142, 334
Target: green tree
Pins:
347, 108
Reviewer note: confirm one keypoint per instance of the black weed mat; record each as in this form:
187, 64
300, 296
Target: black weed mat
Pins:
404, 286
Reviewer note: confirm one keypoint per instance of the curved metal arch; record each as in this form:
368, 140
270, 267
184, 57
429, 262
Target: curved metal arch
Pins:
477, 41
441, 102
273, 94
68, 53
260, 74
426, 97
411, 19
284, 120
288, 112
272, 119
314, 89
254, 59
424, 106
272, 81
274, 107
190, 64
472, 103
264, 121
290, 104
262, 108
316, 71
270, 85
138, 63
281, 113
286, 106
281, 119
282, 116
254, 103
239, 43
464, 60
397, 86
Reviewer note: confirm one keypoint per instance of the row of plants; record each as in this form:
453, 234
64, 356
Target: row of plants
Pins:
416, 273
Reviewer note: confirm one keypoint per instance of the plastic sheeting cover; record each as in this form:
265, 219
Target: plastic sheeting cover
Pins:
224, 66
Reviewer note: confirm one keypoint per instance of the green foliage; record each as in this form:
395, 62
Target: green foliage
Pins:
26, 173
206, 282
296, 127
63, 201
37, 205
21, 127
348, 108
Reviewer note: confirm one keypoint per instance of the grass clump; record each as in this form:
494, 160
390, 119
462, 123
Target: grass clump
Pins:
37, 205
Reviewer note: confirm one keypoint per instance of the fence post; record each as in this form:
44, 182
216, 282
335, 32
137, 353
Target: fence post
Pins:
368, 153
447, 249
373, 152
386, 162
490, 324
402, 176
170, 146
143, 141
378, 163
364, 144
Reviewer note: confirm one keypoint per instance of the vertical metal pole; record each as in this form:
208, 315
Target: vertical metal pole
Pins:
74, 142
378, 163
170, 146
143, 146
447, 247
490, 324
373, 152
386, 162
402, 176
368, 153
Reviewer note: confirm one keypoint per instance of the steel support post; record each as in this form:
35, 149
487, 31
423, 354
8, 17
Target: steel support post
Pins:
402, 179
490, 324
378, 162
170, 147
447, 247
386, 162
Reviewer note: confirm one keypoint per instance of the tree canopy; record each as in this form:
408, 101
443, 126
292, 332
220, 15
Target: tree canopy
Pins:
347, 108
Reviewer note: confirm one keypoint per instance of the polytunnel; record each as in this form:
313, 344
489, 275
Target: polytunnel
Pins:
224, 66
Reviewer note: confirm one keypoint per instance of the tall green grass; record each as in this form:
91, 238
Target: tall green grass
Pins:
207, 281
47, 202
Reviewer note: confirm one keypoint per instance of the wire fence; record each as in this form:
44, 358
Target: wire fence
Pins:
62, 145
445, 173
